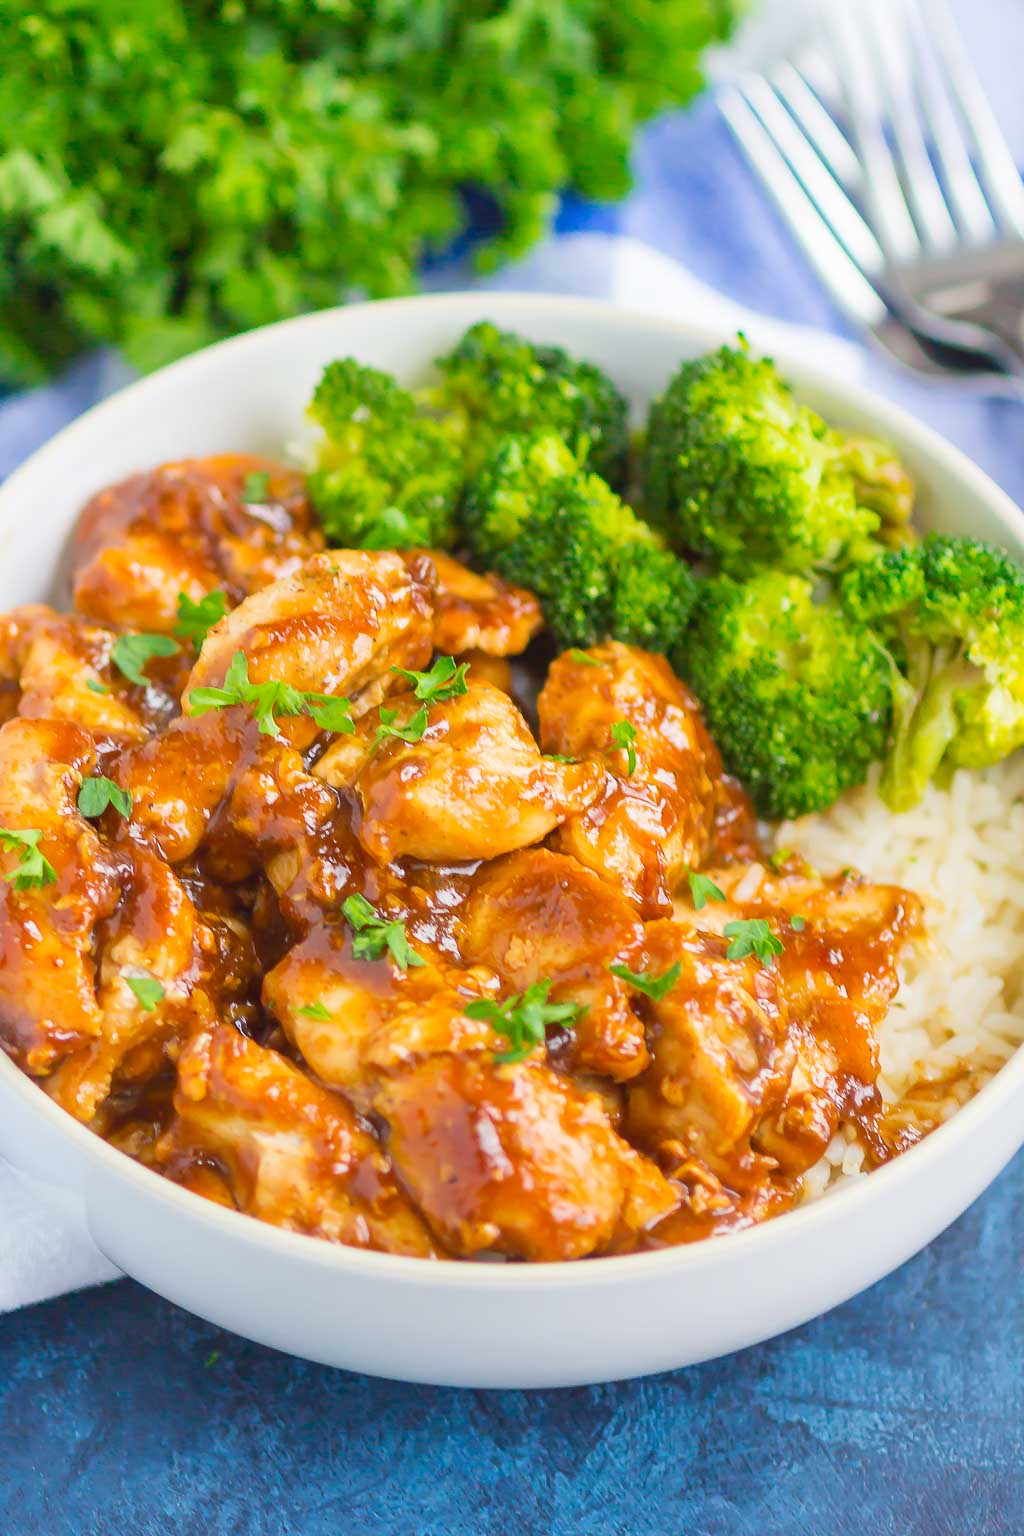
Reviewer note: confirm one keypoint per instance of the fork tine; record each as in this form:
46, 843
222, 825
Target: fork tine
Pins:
844, 280
999, 172
794, 90
891, 216
817, 176
897, 72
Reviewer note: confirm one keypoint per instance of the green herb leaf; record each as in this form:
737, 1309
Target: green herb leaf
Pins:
413, 731
798, 923
524, 1018
132, 652
445, 680
583, 659
147, 989
555, 757
654, 987
314, 1011
195, 620
624, 735
99, 792
703, 889
331, 713
32, 867
95, 687
752, 936
779, 857
374, 934
267, 700
255, 487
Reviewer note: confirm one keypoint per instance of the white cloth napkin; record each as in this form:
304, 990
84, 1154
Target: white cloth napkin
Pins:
44, 1252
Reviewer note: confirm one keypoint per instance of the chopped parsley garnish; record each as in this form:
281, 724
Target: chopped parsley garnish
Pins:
413, 731
779, 857
703, 889
523, 1018
270, 699
331, 713
374, 934
195, 620
147, 989
314, 1011
32, 867
255, 487
445, 680
132, 652
624, 735
654, 987
752, 936
95, 687
583, 659
556, 757
798, 923
99, 792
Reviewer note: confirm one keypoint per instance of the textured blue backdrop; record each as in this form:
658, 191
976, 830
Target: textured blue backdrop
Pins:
899, 1414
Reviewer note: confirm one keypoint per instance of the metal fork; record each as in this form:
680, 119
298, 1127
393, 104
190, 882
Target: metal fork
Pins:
905, 197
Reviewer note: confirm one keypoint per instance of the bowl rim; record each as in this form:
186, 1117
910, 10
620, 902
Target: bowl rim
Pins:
754, 1241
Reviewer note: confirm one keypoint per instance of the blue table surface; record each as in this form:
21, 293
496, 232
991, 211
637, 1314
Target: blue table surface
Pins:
901, 1412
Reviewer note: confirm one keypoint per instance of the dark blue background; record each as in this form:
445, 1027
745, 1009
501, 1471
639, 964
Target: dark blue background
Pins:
898, 1414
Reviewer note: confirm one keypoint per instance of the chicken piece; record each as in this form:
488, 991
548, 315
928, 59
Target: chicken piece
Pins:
721, 1055
509, 1158
188, 527
516, 1160
480, 613
48, 1002
338, 626
839, 972
292, 1153
646, 826
473, 786
56, 666
157, 935
539, 916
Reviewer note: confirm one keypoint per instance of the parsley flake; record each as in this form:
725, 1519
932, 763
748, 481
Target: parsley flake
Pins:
752, 936
523, 1018
256, 487
331, 713
32, 867
374, 934
703, 889
270, 699
147, 989
583, 659
654, 987
195, 620
314, 1011
132, 652
413, 731
556, 757
445, 680
624, 735
95, 687
798, 923
99, 792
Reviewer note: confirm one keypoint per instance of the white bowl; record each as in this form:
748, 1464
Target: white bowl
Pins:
484, 1325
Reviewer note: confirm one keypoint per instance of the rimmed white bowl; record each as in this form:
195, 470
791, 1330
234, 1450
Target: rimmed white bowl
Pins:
483, 1325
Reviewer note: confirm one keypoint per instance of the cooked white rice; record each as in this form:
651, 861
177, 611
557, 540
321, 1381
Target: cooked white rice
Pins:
959, 1012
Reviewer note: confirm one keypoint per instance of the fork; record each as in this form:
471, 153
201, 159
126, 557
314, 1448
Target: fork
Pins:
906, 199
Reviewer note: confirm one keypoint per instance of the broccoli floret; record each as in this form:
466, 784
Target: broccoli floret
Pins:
737, 470
797, 694
538, 518
387, 477
498, 384
951, 612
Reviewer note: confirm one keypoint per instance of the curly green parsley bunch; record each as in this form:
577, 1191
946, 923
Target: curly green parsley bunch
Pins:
175, 170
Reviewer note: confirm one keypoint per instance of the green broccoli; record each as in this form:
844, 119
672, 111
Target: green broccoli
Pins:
951, 611
537, 517
797, 695
737, 470
498, 384
387, 477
